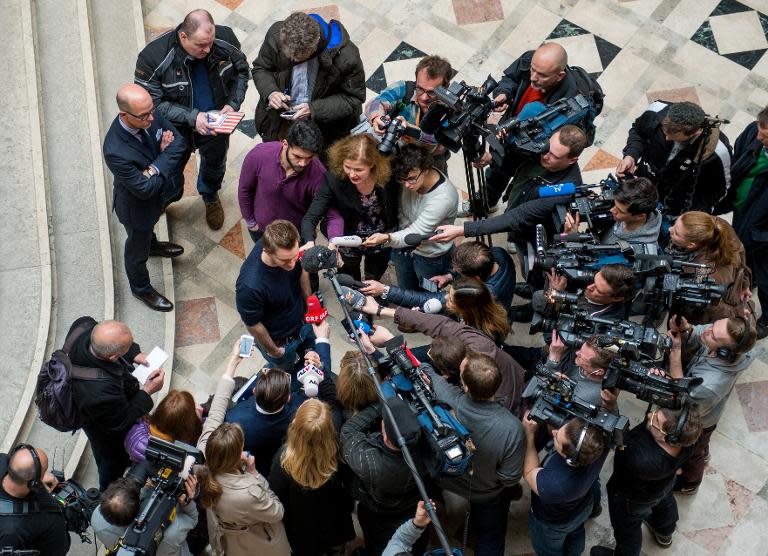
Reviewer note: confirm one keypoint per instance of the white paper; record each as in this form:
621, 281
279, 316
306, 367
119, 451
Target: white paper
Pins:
155, 360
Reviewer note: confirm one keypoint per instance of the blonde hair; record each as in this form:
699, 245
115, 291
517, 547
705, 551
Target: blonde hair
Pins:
311, 454
363, 148
713, 236
354, 388
222, 455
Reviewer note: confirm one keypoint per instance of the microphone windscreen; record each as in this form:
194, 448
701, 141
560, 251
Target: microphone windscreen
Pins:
347, 241
432, 306
539, 301
348, 281
413, 240
354, 298
556, 190
318, 258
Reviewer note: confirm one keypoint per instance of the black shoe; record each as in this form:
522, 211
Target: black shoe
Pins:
601, 551
165, 249
155, 301
681, 487
596, 511
522, 313
524, 290
762, 329
664, 541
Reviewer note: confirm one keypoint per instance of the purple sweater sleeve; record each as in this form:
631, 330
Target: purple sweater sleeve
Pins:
335, 223
246, 190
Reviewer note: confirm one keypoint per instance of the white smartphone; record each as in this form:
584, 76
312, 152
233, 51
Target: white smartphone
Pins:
288, 114
246, 345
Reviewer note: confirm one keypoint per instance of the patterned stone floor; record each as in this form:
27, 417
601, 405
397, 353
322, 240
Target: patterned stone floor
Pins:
708, 51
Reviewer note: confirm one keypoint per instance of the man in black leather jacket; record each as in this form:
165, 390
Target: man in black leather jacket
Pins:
190, 71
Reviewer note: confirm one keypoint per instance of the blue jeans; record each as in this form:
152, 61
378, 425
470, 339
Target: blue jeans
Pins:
411, 268
294, 350
558, 539
488, 520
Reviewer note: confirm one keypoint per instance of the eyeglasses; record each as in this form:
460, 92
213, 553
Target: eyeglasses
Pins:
422, 91
143, 117
653, 423
411, 181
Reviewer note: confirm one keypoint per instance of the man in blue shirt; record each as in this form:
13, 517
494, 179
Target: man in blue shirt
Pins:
561, 487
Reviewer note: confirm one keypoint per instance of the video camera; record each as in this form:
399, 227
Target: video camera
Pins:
557, 399
530, 130
167, 465
461, 113
446, 435
557, 310
636, 378
77, 504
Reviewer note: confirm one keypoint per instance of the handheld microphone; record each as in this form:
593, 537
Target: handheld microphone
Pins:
318, 258
347, 241
432, 306
348, 281
559, 190
354, 298
412, 240
310, 377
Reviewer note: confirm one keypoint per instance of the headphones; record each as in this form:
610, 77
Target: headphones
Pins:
37, 480
573, 459
731, 354
674, 437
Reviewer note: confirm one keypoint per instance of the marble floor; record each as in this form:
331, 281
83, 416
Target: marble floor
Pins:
708, 51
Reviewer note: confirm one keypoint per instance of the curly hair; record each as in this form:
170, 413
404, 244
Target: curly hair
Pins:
299, 36
363, 148
411, 158
684, 117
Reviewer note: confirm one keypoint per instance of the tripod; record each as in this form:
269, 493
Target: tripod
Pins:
472, 148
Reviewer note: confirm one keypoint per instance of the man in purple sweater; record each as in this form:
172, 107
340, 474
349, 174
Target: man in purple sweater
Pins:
278, 179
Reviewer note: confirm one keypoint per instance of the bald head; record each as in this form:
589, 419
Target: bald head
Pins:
21, 466
197, 33
194, 20
132, 96
548, 67
111, 339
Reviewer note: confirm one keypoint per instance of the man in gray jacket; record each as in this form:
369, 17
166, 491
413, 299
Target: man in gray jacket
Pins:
497, 465
724, 351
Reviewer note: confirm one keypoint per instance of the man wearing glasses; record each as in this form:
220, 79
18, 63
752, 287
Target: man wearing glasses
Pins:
644, 471
410, 100
144, 152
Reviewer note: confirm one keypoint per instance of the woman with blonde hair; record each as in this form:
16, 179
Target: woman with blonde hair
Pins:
357, 185
308, 477
244, 515
354, 388
699, 237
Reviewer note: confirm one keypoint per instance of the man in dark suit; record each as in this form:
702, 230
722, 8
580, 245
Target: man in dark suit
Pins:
144, 154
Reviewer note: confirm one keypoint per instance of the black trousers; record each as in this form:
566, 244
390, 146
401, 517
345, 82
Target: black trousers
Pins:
137, 246
757, 260
375, 265
212, 150
378, 528
627, 518
109, 453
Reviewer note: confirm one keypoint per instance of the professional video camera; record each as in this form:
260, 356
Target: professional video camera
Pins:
461, 113
168, 466
636, 378
578, 256
77, 504
558, 398
530, 131
394, 130
557, 310
447, 436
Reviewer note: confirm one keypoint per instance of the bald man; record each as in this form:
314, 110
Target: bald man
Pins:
110, 399
190, 71
144, 153
29, 517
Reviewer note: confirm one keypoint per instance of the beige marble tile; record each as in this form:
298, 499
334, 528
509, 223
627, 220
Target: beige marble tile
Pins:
375, 48
738, 32
221, 266
737, 463
582, 51
601, 20
749, 536
621, 76
711, 68
688, 16
530, 32
428, 39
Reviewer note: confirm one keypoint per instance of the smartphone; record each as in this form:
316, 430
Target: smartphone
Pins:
246, 345
428, 285
288, 114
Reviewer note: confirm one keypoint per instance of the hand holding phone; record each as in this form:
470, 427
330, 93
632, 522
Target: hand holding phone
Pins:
246, 345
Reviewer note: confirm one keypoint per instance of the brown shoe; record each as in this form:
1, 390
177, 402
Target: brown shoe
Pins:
214, 214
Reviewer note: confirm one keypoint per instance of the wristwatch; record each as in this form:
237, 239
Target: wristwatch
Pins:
378, 310
386, 292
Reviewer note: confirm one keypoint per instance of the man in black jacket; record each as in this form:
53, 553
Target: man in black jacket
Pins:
749, 200
30, 519
383, 484
311, 68
143, 152
110, 399
190, 71
673, 146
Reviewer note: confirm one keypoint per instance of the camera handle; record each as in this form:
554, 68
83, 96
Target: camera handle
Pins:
331, 275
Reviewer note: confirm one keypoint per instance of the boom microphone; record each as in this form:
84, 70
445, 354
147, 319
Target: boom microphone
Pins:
348, 281
318, 258
347, 241
573, 237
412, 240
559, 190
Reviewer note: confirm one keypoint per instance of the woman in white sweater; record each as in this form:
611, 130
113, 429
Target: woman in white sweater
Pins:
427, 199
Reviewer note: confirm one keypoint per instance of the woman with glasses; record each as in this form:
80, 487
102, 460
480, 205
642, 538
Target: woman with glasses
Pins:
356, 185
427, 199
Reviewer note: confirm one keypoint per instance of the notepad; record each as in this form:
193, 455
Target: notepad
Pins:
156, 358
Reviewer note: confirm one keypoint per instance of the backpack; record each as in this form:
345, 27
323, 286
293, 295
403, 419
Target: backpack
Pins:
53, 393
588, 86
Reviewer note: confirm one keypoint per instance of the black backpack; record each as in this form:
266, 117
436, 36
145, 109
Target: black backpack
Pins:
53, 393
588, 86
